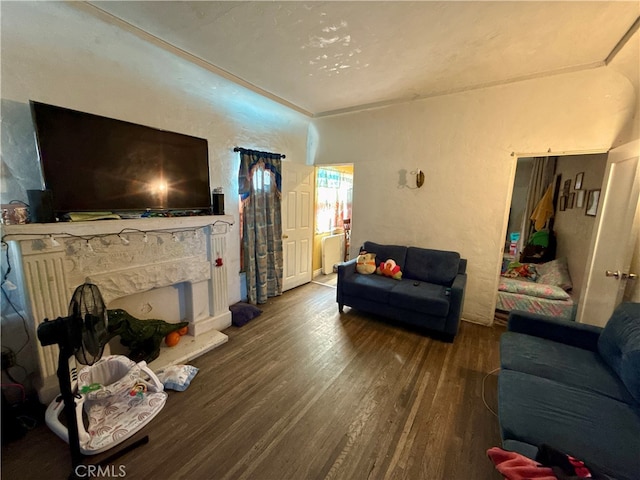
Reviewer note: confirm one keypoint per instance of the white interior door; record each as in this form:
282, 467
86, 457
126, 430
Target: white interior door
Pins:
614, 237
297, 223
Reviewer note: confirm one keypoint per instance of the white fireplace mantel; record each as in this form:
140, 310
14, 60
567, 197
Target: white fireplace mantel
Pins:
125, 257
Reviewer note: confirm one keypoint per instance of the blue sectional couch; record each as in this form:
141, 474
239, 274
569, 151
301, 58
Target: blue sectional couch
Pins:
429, 295
574, 387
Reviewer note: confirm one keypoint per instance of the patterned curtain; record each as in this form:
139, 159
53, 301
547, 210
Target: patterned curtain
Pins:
259, 186
542, 176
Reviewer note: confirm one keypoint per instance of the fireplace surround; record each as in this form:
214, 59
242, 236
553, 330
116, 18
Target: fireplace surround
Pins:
125, 258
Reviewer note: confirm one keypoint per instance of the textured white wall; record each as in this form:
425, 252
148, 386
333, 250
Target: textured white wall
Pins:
463, 143
56, 54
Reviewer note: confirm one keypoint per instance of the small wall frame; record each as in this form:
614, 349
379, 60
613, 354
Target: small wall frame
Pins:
593, 199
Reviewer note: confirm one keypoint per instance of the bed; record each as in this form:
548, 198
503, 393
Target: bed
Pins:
537, 288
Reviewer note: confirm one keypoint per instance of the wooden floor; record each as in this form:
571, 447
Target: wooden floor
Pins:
302, 392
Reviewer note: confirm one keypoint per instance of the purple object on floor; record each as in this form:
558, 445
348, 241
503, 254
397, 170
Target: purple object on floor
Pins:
242, 313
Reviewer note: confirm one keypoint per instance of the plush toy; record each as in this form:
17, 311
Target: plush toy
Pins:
366, 263
389, 269
143, 337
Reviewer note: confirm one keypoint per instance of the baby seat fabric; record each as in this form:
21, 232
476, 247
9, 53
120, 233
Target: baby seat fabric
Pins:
119, 398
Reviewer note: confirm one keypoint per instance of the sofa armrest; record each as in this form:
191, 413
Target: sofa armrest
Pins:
345, 270
458, 287
456, 302
568, 332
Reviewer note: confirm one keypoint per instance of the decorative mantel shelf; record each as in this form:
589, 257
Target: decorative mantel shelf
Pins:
125, 257
113, 227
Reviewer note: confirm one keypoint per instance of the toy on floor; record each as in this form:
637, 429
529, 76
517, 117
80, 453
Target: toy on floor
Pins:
142, 337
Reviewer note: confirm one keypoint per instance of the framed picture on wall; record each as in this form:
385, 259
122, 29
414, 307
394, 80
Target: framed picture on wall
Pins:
567, 187
563, 203
571, 199
580, 198
593, 197
578, 183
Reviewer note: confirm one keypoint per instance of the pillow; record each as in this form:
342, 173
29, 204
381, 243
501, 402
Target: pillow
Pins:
177, 377
389, 269
619, 345
555, 272
366, 263
242, 313
532, 289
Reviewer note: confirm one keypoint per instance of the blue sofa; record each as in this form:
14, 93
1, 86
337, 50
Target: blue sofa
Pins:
574, 387
429, 295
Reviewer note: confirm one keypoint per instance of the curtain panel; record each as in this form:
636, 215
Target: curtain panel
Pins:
260, 190
542, 177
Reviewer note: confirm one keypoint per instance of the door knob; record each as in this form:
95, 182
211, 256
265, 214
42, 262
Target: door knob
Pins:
621, 275
285, 236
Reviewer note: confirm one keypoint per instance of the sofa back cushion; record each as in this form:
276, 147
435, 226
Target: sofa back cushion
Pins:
619, 345
433, 266
383, 253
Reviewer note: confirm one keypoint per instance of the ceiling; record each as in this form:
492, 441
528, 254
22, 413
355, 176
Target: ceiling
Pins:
322, 58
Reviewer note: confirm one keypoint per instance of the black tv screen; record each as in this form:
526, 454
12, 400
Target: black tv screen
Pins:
94, 163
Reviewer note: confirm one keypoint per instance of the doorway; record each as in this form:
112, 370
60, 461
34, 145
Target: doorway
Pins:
579, 223
333, 218
571, 228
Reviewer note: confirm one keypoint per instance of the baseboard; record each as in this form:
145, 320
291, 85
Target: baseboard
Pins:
317, 273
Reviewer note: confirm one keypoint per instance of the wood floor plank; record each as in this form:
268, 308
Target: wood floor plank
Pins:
303, 392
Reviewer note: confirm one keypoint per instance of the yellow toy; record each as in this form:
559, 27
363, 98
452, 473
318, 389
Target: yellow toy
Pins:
366, 263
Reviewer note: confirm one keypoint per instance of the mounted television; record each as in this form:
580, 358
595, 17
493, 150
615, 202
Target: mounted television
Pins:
93, 163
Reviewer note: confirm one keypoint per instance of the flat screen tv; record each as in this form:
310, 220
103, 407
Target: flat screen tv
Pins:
93, 163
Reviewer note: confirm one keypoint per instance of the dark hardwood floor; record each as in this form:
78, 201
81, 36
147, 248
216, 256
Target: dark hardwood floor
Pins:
303, 392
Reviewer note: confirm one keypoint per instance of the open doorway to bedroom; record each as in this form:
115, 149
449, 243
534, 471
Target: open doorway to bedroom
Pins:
333, 219
558, 250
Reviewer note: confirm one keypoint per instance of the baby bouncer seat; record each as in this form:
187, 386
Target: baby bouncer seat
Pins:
118, 396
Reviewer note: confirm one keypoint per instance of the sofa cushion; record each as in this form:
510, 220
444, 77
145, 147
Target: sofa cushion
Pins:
619, 345
423, 297
383, 253
601, 431
563, 363
371, 287
433, 266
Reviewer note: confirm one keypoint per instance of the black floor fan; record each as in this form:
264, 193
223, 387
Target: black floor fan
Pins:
83, 333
